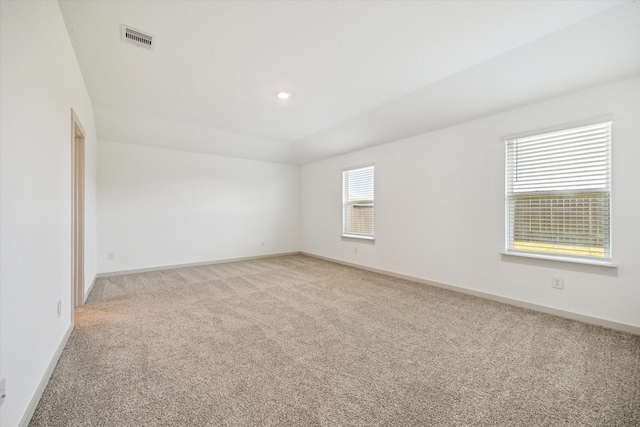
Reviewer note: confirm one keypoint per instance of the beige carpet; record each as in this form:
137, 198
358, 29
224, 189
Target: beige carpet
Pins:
303, 342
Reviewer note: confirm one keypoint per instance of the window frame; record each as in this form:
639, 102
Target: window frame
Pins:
345, 203
510, 205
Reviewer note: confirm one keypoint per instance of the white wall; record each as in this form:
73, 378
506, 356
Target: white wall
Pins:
160, 207
440, 208
40, 81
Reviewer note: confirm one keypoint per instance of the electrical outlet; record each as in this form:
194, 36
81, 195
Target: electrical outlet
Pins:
59, 308
110, 256
355, 250
3, 390
556, 282
262, 243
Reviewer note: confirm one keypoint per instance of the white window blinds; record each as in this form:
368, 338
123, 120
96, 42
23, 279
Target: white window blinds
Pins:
358, 202
559, 193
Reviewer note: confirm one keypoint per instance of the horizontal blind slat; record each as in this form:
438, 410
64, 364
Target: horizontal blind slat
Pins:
558, 192
358, 201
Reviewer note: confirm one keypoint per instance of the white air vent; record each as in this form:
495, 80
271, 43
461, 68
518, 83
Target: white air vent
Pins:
136, 37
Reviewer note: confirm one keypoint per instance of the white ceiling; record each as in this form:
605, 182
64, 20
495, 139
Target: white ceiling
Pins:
360, 73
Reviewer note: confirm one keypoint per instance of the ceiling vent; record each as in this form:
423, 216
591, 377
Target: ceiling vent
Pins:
136, 37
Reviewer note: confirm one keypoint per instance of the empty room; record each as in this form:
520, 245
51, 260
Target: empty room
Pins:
319, 213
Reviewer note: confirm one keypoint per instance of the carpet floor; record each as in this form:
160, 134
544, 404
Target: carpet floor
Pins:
297, 341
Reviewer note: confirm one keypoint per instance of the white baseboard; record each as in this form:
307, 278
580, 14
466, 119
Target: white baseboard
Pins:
518, 303
33, 404
191, 264
87, 292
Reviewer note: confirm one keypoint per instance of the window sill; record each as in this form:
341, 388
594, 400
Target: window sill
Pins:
357, 236
561, 259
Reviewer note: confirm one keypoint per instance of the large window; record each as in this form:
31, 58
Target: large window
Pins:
357, 202
559, 193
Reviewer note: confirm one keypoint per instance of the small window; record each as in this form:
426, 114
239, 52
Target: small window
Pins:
357, 202
559, 193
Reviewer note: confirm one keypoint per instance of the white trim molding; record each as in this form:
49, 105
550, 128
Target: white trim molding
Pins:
88, 290
560, 258
33, 403
191, 264
505, 300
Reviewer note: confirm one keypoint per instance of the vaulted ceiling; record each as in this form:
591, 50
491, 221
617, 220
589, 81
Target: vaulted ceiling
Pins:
360, 73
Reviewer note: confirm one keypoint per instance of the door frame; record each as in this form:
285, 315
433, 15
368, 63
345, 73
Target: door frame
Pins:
77, 212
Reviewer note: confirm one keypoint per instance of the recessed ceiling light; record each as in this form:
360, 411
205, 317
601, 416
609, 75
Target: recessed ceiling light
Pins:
283, 95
